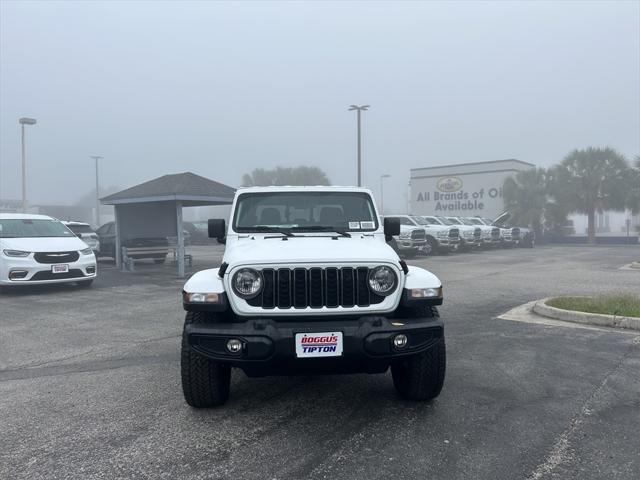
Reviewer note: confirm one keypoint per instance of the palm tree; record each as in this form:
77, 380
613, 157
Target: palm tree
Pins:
525, 197
592, 180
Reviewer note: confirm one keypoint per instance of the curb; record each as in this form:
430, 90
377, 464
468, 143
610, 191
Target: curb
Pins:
541, 308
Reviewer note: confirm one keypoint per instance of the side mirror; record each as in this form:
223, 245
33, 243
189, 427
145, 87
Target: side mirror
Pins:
217, 229
391, 228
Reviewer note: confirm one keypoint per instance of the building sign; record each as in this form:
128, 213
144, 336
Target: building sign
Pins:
450, 198
463, 189
449, 184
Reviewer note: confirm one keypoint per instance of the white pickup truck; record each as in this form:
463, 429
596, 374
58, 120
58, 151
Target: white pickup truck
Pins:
308, 284
439, 238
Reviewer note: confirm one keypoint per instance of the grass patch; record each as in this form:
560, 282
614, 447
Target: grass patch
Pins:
621, 305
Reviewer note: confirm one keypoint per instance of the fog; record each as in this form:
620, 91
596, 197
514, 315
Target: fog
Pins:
222, 88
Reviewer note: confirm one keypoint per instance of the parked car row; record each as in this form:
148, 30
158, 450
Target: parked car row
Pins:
431, 234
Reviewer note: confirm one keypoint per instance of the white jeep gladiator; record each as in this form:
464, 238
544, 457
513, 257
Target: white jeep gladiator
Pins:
309, 285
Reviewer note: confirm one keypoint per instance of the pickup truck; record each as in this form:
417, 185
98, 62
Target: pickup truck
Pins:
440, 238
308, 284
411, 241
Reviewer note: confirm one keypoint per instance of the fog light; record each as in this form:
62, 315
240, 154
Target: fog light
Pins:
17, 274
234, 345
91, 270
400, 341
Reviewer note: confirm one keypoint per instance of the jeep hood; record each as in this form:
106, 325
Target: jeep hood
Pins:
305, 250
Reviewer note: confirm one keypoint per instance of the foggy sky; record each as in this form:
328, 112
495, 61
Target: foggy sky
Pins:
222, 88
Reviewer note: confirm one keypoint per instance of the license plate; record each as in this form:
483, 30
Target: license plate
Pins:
60, 268
322, 344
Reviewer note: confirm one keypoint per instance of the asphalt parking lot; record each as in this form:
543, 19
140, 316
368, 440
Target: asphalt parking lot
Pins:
90, 387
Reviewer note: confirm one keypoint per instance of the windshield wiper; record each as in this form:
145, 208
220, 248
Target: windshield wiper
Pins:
322, 228
264, 228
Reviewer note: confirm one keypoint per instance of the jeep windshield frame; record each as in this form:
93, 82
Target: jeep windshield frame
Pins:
304, 211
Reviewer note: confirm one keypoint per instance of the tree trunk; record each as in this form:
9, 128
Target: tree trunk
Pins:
591, 226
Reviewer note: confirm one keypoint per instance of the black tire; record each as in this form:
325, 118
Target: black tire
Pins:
205, 382
421, 376
85, 283
159, 261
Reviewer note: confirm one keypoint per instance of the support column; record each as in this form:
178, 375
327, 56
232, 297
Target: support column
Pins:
180, 236
118, 241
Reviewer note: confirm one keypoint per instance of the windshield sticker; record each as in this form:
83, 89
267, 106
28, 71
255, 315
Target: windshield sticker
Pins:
354, 225
367, 225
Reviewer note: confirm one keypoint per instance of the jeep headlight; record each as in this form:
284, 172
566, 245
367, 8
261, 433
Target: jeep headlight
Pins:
247, 283
382, 280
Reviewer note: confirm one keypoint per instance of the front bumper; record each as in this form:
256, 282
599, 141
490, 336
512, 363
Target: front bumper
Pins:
269, 345
85, 268
409, 244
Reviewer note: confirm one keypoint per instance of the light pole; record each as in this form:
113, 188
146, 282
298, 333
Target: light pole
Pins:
96, 158
359, 109
24, 121
382, 177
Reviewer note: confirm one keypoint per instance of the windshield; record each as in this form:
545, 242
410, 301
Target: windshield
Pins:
473, 221
420, 220
80, 229
28, 228
304, 212
449, 221
487, 221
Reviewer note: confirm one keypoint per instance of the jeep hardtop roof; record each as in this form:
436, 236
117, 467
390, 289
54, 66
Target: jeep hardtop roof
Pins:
300, 188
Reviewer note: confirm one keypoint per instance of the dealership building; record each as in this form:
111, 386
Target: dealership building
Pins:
466, 189
475, 189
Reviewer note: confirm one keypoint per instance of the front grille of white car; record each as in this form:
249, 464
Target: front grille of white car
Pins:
56, 257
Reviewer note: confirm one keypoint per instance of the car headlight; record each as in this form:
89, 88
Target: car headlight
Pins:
442, 234
247, 283
382, 280
16, 253
87, 251
405, 234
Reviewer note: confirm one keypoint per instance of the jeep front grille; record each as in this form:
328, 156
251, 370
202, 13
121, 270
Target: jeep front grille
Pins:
286, 288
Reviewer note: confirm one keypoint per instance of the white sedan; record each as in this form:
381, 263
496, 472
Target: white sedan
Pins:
36, 249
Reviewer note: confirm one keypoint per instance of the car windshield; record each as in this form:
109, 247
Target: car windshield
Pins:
304, 212
487, 221
473, 221
449, 221
80, 229
420, 220
31, 228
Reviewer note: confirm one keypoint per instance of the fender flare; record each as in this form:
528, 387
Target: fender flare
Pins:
421, 278
205, 281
